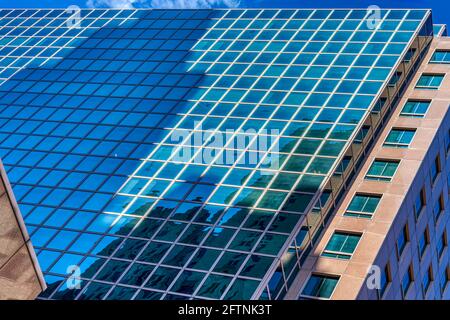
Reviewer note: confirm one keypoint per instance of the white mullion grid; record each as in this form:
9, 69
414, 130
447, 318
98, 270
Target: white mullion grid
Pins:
60, 26
249, 145
194, 156
327, 176
364, 204
334, 124
386, 164
8, 12
14, 37
50, 21
158, 145
65, 44
290, 121
289, 193
267, 120
242, 154
161, 143
201, 206
116, 250
197, 248
267, 154
220, 54
228, 205
165, 161
254, 170
129, 17
200, 149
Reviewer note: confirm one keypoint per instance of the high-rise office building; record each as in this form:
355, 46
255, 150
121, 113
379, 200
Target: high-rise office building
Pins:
230, 154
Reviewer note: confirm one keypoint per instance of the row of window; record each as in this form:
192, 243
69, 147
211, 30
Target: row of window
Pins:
418, 109
423, 239
430, 80
322, 286
364, 206
408, 278
343, 244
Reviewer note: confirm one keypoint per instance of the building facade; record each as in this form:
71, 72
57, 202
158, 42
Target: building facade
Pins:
229, 154
400, 226
20, 275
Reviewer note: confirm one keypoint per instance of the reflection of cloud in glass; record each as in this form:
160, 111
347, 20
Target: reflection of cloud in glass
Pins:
162, 4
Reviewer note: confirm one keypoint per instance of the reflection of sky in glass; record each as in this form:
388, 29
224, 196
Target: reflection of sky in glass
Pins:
98, 122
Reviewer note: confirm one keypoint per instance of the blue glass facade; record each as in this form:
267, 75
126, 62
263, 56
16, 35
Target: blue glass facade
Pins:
93, 120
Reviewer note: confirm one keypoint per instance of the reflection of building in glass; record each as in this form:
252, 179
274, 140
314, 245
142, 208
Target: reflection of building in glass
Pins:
94, 118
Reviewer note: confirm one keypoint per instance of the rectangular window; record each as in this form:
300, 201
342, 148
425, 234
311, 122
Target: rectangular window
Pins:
362, 206
382, 170
341, 245
402, 240
441, 244
320, 286
430, 81
428, 277
408, 278
424, 241
415, 108
385, 279
435, 169
438, 207
420, 202
441, 56
399, 138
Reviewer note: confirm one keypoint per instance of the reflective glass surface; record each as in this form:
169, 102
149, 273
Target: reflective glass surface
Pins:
320, 286
341, 245
363, 206
415, 108
382, 170
430, 81
399, 138
440, 56
169, 154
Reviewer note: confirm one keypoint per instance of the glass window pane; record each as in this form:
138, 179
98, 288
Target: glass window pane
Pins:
341, 245
382, 170
441, 56
320, 286
430, 81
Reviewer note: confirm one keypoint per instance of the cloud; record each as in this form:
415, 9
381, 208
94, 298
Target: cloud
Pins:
191, 4
122, 4
163, 4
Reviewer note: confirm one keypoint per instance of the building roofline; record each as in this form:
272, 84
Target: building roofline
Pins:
218, 8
